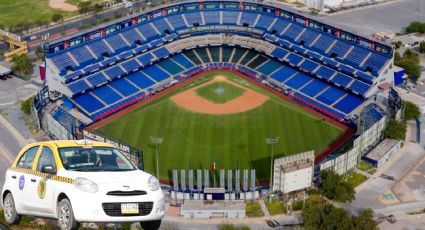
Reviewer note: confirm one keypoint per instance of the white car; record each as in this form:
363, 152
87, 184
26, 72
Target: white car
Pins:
80, 181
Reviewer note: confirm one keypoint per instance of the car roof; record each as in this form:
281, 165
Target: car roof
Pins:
73, 143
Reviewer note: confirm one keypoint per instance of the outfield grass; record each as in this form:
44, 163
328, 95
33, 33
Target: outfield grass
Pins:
238, 140
26, 11
229, 93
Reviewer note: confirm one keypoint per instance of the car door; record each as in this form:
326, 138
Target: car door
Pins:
44, 199
21, 176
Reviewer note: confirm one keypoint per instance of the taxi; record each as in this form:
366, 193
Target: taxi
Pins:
80, 181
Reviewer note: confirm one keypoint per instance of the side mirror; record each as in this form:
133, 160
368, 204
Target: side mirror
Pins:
49, 169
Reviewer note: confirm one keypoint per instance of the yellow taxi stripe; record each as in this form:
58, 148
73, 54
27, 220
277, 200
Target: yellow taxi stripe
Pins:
40, 174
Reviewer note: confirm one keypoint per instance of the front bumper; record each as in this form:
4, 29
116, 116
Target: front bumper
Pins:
95, 207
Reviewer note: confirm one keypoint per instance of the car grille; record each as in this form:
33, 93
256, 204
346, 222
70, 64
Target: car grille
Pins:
114, 209
126, 193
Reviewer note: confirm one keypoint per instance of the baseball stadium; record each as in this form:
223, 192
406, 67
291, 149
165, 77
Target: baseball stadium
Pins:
213, 80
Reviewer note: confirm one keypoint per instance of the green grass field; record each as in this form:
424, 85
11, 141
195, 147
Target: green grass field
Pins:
236, 140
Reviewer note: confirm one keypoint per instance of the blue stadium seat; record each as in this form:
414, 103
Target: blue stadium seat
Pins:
314, 87
177, 21
73, 76
264, 22
63, 61
298, 80
140, 80
97, 79
82, 55
280, 25
359, 87
356, 56
161, 52
324, 72
293, 32
109, 61
341, 79
114, 72
294, 59
132, 36
99, 48
330, 95
230, 17
308, 37
364, 77
269, 67
146, 58
147, 30
212, 17
279, 53
78, 86
283, 73
130, 65
156, 73
106, 94
180, 58
124, 87
170, 66
88, 102
376, 62
348, 103
248, 18
340, 49
117, 43
193, 18
308, 66
161, 25
323, 43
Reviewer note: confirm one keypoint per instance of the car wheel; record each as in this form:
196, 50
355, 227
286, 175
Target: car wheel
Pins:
66, 218
151, 225
10, 213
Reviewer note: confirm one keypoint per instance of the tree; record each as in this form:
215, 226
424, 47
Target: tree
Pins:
422, 47
410, 63
21, 64
416, 27
395, 130
84, 7
57, 17
335, 187
364, 221
327, 216
26, 106
411, 111
39, 52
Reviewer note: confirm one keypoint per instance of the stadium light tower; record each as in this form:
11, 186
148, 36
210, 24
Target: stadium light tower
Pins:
271, 141
156, 141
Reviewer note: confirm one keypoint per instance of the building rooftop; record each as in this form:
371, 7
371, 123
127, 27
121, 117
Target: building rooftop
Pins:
380, 150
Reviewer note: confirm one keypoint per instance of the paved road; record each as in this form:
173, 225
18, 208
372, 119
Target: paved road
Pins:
391, 16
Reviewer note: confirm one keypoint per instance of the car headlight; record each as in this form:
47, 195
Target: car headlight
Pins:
153, 183
86, 185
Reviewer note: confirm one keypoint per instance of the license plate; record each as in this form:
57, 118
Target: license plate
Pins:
132, 208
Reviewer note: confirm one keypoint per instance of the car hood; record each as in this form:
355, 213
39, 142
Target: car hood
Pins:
100, 178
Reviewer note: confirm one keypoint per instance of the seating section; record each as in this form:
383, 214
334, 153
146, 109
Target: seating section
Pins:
119, 68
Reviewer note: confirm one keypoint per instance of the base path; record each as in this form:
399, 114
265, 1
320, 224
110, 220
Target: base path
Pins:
189, 100
62, 5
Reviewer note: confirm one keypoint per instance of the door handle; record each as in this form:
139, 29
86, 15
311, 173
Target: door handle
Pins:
33, 180
13, 177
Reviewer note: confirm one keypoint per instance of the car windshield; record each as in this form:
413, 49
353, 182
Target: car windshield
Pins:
93, 159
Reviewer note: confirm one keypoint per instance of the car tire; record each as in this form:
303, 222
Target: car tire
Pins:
66, 219
151, 225
10, 214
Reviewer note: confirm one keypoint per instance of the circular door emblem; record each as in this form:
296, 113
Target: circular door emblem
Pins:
42, 188
21, 182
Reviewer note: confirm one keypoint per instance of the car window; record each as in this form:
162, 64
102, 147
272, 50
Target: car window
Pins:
28, 158
90, 158
46, 158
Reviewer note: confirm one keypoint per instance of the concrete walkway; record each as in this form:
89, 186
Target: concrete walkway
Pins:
264, 208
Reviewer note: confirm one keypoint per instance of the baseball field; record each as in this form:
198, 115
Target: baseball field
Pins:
224, 118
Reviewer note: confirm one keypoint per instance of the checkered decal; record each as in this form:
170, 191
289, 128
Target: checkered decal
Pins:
47, 176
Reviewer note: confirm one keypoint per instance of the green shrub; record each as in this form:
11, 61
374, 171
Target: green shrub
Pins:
275, 207
253, 209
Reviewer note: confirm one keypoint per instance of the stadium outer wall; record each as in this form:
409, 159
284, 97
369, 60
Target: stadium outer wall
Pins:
348, 132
